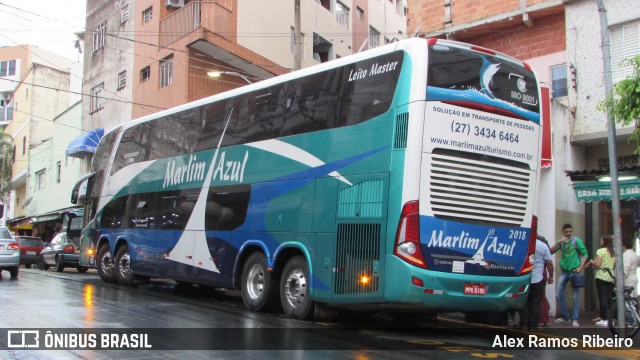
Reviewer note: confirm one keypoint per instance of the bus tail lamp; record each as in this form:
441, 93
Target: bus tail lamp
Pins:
531, 251
408, 236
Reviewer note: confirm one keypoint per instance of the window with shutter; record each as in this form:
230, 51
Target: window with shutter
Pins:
625, 44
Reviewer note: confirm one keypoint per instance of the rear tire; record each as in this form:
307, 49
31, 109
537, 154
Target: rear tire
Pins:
82, 269
632, 326
294, 289
41, 264
122, 267
14, 271
259, 288
104, 263
59, 264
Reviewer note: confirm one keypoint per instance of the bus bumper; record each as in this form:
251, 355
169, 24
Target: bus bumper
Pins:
442, 292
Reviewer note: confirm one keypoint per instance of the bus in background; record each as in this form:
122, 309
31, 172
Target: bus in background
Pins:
402, 177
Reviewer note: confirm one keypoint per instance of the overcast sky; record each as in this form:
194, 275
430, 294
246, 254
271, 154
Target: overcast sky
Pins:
48, 24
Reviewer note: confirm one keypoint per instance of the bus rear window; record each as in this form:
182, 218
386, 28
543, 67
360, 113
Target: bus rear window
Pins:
468, 71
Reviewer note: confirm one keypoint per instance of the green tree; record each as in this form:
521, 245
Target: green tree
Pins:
625, 102
6, 162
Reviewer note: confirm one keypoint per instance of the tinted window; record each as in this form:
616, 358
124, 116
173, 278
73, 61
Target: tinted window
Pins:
227, 207
334, 98
30, 241
459, 69
4, 233
103, 152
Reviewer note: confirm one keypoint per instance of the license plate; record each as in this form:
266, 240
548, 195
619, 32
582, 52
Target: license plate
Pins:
475, 289
31, 252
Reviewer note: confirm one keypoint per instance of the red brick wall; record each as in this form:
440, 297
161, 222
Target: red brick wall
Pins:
547, 36
512, 36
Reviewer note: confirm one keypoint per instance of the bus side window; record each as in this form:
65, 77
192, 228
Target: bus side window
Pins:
113, 214
134, 147
227, 207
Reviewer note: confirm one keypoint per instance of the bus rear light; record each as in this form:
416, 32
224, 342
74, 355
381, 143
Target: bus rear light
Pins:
527, 266
365, 280
408, 236
417, 282
433, 291
481, 49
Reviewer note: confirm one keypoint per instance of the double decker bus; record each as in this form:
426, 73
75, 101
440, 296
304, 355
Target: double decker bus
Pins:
402, 177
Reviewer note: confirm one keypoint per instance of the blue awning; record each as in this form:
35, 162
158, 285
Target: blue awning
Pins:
85, 143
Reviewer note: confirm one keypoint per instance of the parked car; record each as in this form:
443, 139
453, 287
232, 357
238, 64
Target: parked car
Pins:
30, 248
61, 253
9, 253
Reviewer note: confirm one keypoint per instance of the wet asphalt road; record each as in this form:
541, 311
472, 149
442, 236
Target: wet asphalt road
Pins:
85, 316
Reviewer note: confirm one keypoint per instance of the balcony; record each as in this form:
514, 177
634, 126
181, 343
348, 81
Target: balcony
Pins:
209, 15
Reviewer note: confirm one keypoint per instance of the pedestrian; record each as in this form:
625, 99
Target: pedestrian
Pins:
543, 314
630, 263
573, 257
542, 262
604, 282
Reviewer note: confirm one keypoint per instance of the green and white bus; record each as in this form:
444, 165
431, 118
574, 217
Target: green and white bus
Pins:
403, 177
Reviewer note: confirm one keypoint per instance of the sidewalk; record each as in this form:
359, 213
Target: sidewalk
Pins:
585, 320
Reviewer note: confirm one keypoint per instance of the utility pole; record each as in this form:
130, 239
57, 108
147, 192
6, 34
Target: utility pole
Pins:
297, 38
613, 167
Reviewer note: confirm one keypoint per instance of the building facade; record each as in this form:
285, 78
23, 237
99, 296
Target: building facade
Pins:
588, 125
36, 89
143, 56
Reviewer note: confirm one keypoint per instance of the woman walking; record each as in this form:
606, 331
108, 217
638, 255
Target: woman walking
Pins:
604, 281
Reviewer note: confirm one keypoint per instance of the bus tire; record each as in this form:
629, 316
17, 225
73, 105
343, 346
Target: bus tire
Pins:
294, 289
104, 263
122, 267
259, 293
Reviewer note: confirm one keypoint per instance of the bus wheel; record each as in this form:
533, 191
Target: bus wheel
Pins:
258, 290
104, 263
122, 265
294, 289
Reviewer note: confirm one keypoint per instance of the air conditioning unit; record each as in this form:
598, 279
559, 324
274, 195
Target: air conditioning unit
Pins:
175, 3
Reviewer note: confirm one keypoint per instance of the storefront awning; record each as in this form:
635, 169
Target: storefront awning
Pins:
85, 143
589, 191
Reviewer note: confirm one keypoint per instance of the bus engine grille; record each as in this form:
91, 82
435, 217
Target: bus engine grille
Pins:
479, 189
357, 256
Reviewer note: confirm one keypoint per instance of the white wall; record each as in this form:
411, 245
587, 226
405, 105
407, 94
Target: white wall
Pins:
585, 52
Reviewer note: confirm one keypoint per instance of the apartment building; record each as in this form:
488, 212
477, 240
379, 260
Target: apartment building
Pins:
34, 87
144, 56
589, 131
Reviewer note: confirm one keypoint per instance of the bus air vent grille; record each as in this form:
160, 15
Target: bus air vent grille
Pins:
478, 189
402, 126
357, 256
363, 200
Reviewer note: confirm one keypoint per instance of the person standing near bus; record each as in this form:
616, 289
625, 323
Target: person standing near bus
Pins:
542, 263
604, 282
573, 258
630, 262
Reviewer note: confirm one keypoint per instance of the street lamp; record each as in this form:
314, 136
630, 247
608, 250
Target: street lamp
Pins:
216, 74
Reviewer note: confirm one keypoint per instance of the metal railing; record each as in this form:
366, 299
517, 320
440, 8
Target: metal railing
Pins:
196, 14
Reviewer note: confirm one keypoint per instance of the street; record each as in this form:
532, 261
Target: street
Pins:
84, 316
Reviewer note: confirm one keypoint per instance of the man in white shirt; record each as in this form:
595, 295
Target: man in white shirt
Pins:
529, 313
